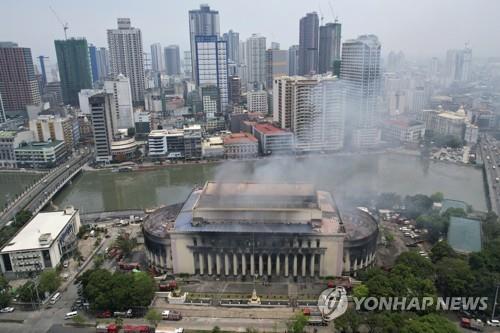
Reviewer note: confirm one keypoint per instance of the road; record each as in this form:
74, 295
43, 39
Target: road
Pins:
44, 188
490, 154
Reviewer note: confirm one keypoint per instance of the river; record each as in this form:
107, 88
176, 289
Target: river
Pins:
346, 176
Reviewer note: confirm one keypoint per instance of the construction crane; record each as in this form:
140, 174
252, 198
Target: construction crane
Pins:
321, 14
333, 14
64, 25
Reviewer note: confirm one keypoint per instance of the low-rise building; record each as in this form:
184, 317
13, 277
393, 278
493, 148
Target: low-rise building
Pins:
240, 145
403, 130
212, 147
40, 155
176, 143
257, 101
124, 149
9, 141
42, 243
273, 140
51, 127
450, 123
142, 123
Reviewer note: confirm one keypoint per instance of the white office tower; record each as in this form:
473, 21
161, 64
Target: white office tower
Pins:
256, 60
202, 22
122, 99
103, 66
233, 46
211, 57
360, 72
458, 65
156, 57
313, 108
126, 56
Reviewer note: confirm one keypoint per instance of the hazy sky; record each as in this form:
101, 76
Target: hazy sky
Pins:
418, 27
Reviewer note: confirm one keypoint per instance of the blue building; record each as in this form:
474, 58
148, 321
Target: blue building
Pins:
93, 63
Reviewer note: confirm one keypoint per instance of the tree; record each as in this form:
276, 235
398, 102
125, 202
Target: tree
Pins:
452, 211
454, 277
49, 281
27, 292
297, 323
417, 205
431, 323
349, 321
5, 296
98, 260
78, 319
216, 329
119, 321
442, 250
437, 197
360, 291
153, 317
125, 244
22, 217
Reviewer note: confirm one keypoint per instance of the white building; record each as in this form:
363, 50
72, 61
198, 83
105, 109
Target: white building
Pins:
42, 243
157, 57
126, 56
9, 141
83, 99
50, 127
212, 147
120, 88
257, 101
313, 108
403, 130
450, 123
256, 59
360, 72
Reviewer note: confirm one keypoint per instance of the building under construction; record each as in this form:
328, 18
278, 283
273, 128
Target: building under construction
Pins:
259, 229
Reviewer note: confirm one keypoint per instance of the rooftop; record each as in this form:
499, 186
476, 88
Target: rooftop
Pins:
464, 235
41, 145
28, 237
269, 129
236, 138
7, 134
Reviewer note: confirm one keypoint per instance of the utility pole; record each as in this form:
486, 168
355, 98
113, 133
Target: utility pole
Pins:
494, 304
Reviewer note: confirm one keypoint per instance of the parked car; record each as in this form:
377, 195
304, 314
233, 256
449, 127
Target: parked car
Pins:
493, 323
7, 309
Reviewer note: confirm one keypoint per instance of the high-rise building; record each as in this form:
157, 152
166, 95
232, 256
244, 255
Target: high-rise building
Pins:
276, 65
3, 118
126, 56
18, 84
186, 64
257, 101
275, 46
329, 46
202, 22
101, 108
211, 57
234, 84
41, 60
458, 65
122, 99
256, 60
313, 108
293, 60
233, 46
53, 93
93, 63
156, 57
103, 66
308, 44
360, 72
173, 60
74, 68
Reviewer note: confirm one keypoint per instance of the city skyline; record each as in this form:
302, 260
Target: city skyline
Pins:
435, 35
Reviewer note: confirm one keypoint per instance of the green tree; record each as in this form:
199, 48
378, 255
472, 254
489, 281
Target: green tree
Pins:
437, 197
454, 277
22, 217
442, 250
153, 317
98, 260
5, 295
216, 329
361, 291
125, 244
49, 281
78, 319
27, 292
119, 321
349, 321
417, 205
297, 323
431, 323
452, 211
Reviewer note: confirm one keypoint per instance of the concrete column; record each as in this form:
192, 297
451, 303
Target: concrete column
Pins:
294, 265
269, 265
347, 261
303, 265
243, 264
226, 264
286, 265
321, 264
218, 264
261, 265
312, 264
278, 264
200, 259
252, 264
209, 263
235, 264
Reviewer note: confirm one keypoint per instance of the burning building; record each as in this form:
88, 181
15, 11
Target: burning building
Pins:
264, 229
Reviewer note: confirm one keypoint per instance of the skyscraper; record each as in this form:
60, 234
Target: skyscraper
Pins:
101, 109
41, 59
202, 22
256, 59
18, 84
293, 60
276, 65
103, 66
186, 64
74, 68
360, 72
173, 60
211, 57
122, 98
156, 57
313, 108
126, 56
458, 65
329, 46
233, 46
308, 44
93, 63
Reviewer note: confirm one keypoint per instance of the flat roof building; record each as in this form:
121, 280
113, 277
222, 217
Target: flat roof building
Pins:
240, 145
273, 140
42, 243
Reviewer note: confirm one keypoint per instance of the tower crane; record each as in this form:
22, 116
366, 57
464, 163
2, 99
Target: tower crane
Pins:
64, 25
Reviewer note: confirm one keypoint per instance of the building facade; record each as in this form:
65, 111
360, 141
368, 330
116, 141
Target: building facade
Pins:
240, 146
233, 46
309, 44
122, 97
403, 130
257, 101
18, 84
276, 65
329, 46
102, 114
50, 127
9, 141
126, 56
273, 140
255, 48
293, 60
157, 58
173, 60
41, 155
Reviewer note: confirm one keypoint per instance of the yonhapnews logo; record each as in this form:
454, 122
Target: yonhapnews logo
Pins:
332, 303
